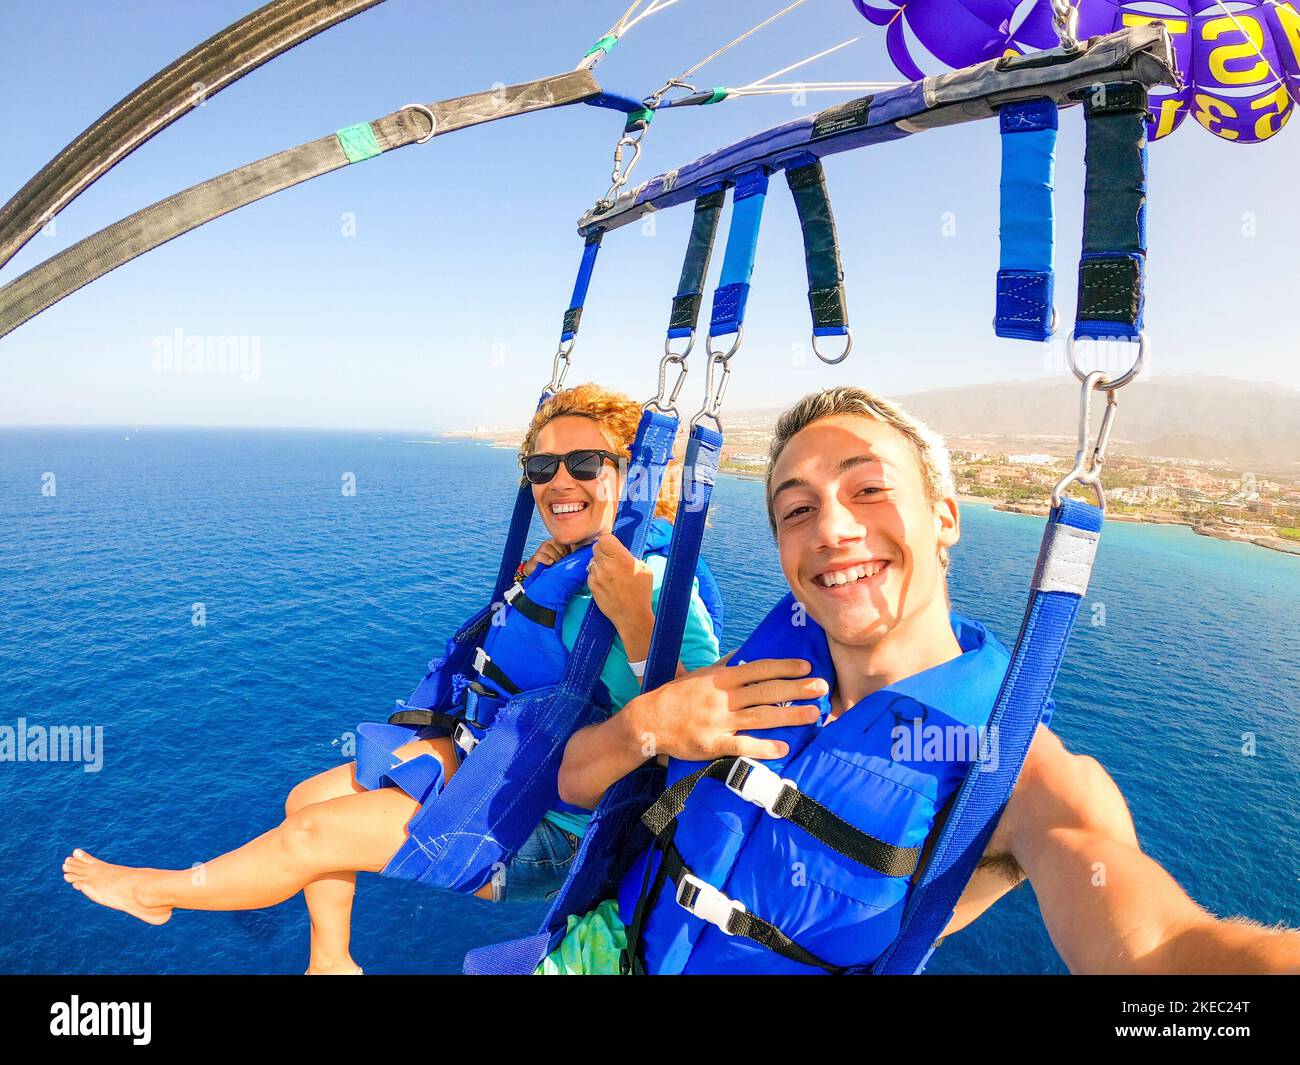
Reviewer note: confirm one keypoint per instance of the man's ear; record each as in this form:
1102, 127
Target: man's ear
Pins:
947, 521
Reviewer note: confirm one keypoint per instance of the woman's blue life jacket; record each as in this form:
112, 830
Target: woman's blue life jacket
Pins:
503, 651
804, 864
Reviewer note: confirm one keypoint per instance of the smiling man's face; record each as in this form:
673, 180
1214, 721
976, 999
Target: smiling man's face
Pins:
858, 535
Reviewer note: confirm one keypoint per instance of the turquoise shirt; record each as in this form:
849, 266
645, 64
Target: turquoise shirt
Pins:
699, 649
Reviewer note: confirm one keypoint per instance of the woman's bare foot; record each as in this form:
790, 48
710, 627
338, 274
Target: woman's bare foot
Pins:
112, 886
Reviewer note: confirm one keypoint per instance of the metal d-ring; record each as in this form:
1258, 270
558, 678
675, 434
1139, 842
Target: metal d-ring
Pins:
1139, 364
848, 346
427, 113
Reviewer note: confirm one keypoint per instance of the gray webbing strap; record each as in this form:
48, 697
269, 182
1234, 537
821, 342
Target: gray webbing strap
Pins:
205, 70
61, 275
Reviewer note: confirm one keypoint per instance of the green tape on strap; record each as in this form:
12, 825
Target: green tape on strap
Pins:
605, 44
638, 120
358, 142
719, 94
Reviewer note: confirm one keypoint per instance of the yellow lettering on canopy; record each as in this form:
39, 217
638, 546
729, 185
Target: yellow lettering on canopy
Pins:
1289, 19
1166, 116
1210, 112
1175, 26
1221, 56
1270, 122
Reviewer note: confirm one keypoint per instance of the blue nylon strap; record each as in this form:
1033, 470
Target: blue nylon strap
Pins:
738, 262
703, 452
573, 315
521, 517
984, 793
517, 957
1025, 277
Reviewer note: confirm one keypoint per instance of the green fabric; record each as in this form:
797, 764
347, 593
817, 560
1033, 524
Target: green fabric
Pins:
358, 142
592, 945
719, 94
699, 649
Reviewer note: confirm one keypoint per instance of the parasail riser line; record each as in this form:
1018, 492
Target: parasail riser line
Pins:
177, 90
1112, 267
65, 273
1026, 279
821, 249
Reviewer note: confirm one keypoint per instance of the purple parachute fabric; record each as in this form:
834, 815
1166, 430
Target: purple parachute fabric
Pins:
1240, 60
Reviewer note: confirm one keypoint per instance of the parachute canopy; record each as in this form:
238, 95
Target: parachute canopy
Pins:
1240, 60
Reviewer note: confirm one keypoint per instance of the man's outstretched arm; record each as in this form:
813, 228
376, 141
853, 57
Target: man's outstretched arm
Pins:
1108, 907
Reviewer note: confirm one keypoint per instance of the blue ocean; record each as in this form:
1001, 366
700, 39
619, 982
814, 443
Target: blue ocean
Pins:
320, 606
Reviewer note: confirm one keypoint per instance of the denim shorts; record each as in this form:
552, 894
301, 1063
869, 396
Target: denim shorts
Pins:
539, 869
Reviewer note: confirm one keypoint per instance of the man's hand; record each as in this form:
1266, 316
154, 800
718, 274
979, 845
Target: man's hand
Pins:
698, 716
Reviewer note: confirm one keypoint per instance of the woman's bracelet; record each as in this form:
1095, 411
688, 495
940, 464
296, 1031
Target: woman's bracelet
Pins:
520, 573
638, 669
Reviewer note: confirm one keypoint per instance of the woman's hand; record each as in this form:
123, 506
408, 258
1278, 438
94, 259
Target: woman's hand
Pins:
548, 553
698, 716
623, 587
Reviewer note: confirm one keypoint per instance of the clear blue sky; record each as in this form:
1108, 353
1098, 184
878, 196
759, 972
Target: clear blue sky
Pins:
443, 310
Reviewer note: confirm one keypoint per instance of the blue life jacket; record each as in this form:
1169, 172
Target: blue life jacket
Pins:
803, 864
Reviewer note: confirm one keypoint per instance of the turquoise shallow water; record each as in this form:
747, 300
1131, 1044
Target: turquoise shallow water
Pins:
321, 608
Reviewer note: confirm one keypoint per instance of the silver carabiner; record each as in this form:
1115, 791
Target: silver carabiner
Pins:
560, 366
620, 173
1089, 458
664, 400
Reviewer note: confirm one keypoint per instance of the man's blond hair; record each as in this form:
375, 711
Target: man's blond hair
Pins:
928, 446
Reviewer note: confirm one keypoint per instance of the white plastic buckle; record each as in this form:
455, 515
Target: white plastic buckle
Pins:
709, 904
480, 660
760, 785
513, 592
463, 737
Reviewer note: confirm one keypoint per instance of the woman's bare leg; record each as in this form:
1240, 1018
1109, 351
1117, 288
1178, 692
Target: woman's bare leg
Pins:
329, 897
352, 832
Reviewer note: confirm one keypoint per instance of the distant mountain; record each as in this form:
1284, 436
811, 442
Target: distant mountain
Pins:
1191, 416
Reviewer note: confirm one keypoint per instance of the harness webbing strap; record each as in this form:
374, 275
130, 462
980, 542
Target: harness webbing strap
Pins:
1049, 618
1113, 265
738, 261
703, 453
699, 250
423, 718
534, 612
497, 676
1026, 280
651, 454
822, 824
44, 285
573, 315
738, 922
821, 248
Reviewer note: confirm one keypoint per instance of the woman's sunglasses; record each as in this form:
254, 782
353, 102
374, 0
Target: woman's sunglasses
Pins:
583, 465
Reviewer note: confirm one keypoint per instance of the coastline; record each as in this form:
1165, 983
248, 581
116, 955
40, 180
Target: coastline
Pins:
1214, 531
